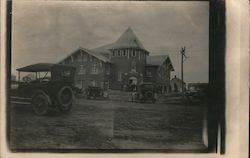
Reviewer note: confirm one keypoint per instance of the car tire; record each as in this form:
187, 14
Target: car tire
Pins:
65, 98
40, 105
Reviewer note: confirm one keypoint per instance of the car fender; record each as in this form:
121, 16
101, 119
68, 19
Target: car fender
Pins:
43, 93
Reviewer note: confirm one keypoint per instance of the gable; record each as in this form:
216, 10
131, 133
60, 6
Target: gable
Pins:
78, 53
158, 60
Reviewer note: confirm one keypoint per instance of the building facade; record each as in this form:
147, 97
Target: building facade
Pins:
120, 65
176, 85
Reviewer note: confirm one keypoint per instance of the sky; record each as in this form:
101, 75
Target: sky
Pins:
48, 31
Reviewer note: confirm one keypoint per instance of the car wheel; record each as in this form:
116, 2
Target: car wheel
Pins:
40, 105
65, 99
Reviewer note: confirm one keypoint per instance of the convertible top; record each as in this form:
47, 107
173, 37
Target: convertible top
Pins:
42, 67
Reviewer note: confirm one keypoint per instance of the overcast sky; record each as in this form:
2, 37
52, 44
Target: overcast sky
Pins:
47, 31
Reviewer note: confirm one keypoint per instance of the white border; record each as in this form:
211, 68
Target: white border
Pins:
237, 89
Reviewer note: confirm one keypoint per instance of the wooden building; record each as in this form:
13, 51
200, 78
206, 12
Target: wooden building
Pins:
120, 65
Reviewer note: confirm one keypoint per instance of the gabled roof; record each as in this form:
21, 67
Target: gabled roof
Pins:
177, 79
128, 40
157, 60
95, 54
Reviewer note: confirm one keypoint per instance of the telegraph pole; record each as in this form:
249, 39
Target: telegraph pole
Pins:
183, 49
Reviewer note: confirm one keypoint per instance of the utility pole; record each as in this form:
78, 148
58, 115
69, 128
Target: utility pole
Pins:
183, 55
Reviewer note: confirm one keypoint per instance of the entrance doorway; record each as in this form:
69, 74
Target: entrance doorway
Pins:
132, 83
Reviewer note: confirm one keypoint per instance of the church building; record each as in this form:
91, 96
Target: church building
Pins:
120, 65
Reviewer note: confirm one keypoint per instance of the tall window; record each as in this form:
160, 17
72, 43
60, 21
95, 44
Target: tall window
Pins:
113, 53
124, 53
128, 52
119, 77
82, 70
94, 69
133, 66
90, 58
133, 53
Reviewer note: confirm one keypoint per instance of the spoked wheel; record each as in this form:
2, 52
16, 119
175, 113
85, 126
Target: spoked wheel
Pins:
40, 105
65, 99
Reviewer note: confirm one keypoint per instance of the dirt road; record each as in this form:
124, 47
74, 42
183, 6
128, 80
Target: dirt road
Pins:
108, 125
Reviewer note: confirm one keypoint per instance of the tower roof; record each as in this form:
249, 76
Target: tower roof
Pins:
128, 40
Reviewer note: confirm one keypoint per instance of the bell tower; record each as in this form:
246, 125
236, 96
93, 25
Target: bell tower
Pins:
129, 57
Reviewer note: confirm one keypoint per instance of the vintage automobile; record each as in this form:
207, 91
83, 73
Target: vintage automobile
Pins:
51, 88
145, 92
93, 92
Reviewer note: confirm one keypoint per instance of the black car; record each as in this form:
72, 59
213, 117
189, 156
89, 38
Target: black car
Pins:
51, 88
145, 92
93, 92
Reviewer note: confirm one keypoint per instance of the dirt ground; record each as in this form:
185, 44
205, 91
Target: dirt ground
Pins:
108, 124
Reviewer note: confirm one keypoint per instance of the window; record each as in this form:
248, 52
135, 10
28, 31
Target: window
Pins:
119, 77
94, 69
119, 53
90, 58
113, 53
133, 66
82, 70
133, 53
124, 53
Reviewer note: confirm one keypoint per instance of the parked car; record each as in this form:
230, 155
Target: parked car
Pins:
52, 88
145, 92
93, 92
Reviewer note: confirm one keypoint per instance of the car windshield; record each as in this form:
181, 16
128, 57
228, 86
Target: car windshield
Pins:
28, 77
